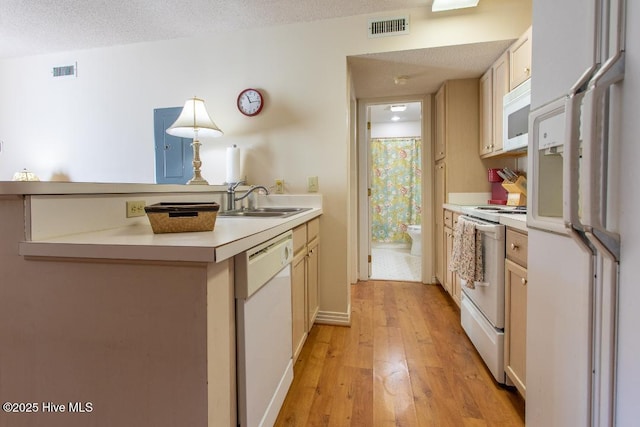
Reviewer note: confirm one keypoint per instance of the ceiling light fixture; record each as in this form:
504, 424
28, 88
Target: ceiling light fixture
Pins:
395, 118
442, 5
398, 108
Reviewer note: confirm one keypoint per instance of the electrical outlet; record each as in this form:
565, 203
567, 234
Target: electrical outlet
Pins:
312, 184
279, 186
135, 208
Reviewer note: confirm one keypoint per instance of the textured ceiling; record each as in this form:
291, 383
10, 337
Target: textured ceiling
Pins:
43, 26
424, 69
29, 27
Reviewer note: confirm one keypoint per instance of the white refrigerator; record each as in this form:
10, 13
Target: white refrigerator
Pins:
584, 137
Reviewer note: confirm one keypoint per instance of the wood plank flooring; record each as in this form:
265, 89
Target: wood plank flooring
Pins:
405, 361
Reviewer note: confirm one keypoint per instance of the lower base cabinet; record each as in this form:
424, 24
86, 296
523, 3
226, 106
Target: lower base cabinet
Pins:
451, 281
515, 330
298, 304
304, 282
313, 305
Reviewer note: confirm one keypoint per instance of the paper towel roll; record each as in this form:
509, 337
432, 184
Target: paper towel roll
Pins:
233, 164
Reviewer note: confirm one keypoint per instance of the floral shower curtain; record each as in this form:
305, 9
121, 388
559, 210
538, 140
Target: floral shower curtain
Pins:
396, 188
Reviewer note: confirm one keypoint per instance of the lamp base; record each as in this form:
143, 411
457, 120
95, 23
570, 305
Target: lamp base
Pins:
197, 181
197, 176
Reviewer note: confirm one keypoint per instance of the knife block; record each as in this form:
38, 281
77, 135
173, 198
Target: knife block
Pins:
517, 191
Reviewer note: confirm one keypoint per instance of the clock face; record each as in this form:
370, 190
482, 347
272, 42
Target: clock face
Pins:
250, 102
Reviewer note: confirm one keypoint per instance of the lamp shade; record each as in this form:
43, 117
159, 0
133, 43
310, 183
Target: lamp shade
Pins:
194, 121
25, 175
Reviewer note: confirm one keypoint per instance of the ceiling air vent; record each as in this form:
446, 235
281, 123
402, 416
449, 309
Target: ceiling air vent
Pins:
384, 27
65, 71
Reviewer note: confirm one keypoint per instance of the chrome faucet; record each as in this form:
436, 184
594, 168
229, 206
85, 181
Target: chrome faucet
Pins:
231, 194
251, 190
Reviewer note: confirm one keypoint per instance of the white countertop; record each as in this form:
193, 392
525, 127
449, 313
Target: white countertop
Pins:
518, 222
230, 236
50, 187
454, 207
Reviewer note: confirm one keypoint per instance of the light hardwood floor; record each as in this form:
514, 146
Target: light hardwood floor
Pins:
405, 361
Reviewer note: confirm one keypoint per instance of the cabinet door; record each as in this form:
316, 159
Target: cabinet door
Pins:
515, 329
486, 113
456, 283
500, 89
520, 53
298, 303
448, 275
439, 197
312, 284
440, 123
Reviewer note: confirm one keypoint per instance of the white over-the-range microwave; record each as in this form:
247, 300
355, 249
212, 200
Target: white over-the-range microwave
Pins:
516, 118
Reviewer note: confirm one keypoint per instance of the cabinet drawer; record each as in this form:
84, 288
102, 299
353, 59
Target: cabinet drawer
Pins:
313, 229
448, 218
517, 247
299, 238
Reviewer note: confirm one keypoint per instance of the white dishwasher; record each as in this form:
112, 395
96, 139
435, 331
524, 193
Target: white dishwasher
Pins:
263, 316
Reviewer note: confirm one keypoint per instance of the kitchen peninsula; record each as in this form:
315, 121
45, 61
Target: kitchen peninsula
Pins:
97, 309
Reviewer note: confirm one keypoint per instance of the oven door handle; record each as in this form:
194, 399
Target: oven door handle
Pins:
484, 227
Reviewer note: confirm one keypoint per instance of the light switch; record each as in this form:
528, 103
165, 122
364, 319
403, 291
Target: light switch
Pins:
312, 184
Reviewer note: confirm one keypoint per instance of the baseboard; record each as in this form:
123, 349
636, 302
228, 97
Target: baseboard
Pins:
334, 317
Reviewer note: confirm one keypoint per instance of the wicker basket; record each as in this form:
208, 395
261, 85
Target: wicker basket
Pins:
182, 217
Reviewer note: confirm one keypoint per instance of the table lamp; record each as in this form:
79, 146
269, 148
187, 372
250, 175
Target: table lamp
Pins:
194, 121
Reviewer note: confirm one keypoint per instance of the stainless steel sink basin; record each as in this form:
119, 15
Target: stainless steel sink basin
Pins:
263, 212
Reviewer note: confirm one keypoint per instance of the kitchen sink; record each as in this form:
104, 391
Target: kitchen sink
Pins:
273, 212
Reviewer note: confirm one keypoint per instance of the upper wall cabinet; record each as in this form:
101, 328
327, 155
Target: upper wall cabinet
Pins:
440, 121
520, 54
456, 129
494, 84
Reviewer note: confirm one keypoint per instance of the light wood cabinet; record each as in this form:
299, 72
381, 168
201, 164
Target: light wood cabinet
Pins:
298, 290
439, 196
500, 89
486, 113
313, 244
451, 282
515, 331
304, 282
448, 275
520, 54
494, 85
440, 123
465, 171
459, 168
456, 285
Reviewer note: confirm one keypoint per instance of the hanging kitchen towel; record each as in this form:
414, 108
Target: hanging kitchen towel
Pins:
466, 255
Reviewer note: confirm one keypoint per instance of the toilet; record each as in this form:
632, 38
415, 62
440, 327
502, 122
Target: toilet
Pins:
415, 232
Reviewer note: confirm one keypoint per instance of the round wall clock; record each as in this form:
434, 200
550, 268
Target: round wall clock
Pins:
250, 102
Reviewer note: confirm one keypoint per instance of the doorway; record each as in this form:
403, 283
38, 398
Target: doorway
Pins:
392, 159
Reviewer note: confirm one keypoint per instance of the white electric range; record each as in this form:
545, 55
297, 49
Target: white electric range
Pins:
482, 305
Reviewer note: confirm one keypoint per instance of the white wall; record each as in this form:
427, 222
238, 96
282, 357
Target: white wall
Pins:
396, 130
99, 126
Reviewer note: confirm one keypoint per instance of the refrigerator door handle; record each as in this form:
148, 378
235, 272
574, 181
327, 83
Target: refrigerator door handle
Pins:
571, 159
594, 151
